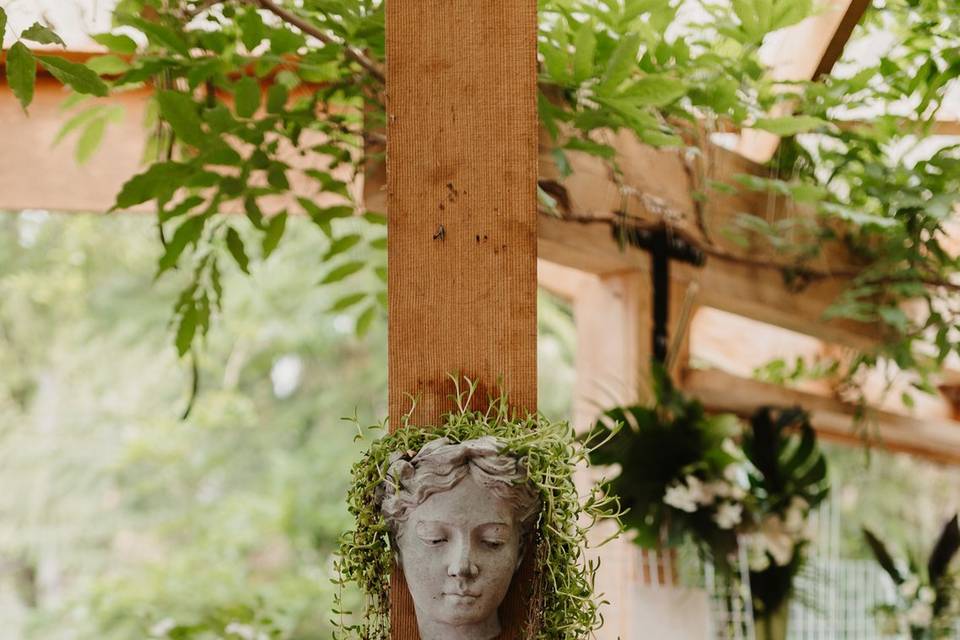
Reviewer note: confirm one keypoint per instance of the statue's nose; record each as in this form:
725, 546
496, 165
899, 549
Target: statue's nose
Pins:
462, 564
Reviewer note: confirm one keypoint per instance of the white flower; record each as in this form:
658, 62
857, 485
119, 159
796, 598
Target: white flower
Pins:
245, 631
728, 515
908, 588
926, 595
920, 615
777, 540
699, 491
757, 557
680, 497
729, 447
796, 514
719, 489
162, 627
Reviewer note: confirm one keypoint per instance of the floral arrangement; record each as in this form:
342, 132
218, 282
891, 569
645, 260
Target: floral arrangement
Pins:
550, 453
790, 480
683, 476
926, 605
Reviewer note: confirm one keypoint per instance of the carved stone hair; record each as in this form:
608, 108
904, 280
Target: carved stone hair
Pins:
441, 464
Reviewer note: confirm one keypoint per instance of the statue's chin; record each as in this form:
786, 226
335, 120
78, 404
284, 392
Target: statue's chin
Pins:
432, 629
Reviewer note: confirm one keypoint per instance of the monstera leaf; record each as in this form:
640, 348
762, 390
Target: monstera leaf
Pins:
782, 445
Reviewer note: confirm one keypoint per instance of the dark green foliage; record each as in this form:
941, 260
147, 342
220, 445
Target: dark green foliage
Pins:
940, 557
782, 446
655, 447
882, 555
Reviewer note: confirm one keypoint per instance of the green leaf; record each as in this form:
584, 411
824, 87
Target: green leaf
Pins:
379, 243
3, 23
621, 64
585, 47
375, 218
188, 232
364, 320
790, 125
21, 73
277, 98
180, 111
859, 218
347, 301
341, 272
247, 96
277, 176
342, 244
183, 207
252, 31
186, 330
655, 91
159, 35
591, 147
275, 229
90, 139
108, 65
381, 272
78, 77
254, 214
895, 317
659, 138
117, 42
160, 181
235, 246
44, 35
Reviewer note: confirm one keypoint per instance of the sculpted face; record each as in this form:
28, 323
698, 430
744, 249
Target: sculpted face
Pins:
459, 550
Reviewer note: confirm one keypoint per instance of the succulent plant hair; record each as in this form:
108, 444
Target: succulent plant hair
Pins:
441, 464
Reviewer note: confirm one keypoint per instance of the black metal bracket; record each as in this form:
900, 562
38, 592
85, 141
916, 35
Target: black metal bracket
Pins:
663, 245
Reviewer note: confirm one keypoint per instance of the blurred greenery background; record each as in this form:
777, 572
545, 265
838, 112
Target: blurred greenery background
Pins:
119, 520
117, 517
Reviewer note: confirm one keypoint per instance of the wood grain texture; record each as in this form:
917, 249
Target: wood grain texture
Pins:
462, 210
461, 197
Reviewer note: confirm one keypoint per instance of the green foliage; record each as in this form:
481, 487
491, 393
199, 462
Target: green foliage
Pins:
565, 578
133, 516
639, 65
792, 480
658, 447
925, 602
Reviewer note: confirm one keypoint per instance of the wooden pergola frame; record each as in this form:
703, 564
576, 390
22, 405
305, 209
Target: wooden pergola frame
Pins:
659, 185
581, 256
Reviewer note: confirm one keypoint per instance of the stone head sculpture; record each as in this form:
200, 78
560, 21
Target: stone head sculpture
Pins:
459, 514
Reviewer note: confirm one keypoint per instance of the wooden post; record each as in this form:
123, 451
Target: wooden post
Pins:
461, 201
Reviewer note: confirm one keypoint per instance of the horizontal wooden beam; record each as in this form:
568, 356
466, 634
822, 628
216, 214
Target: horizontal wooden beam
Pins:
661, 187
834, 420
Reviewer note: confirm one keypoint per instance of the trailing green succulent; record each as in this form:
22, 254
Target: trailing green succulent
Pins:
568, 609
925, 606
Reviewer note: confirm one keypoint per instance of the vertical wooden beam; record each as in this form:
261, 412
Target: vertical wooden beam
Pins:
461, 201
614, 327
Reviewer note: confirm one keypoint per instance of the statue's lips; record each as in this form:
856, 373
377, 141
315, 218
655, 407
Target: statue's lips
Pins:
461, 596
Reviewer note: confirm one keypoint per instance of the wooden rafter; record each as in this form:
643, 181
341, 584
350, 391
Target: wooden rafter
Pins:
806, 51
660, 187
930, 438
